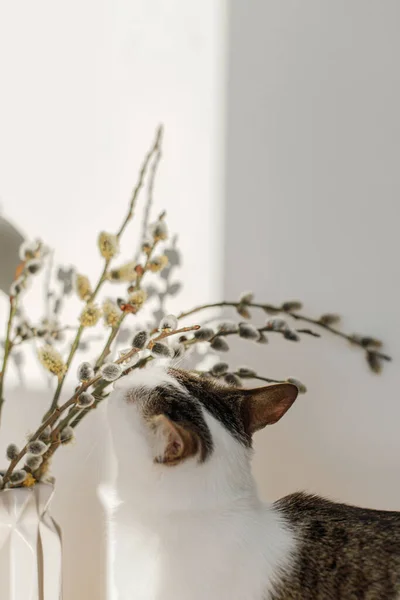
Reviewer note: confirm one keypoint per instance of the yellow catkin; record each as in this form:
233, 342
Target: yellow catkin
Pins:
51, 360
83, 287
29, 480
111, 313
158, 263
125, 273
108, 244
159, 231
138, 298
90, 315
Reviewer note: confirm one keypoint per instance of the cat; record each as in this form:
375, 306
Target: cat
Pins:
188, 523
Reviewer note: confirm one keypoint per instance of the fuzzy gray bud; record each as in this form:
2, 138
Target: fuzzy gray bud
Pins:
140, 340
18, 477
246, 298
374, 362
67, 435
329, 319
33, 266
370, 342
292, 306
37, 447
291, 335
169, 323
277, 324
45, 435
228, 327
12, 452
262, 339
248, 331
243, 311
178, 350
219, 344
111, 371
85, 371
233, 380
219, 368
85, 400
300, 386
33, 462
158, 349
204, 334
159, 230
246, 372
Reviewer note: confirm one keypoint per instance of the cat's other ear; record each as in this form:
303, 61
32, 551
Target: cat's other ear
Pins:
172, 442
266, 405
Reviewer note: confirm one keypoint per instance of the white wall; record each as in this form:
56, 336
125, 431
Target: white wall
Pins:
311, 203
84, 84
312, 209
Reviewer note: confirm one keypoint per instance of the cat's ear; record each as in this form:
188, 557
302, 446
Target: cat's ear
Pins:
266, 405
172, 442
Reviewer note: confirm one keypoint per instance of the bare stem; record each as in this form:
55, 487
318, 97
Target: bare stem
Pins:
74, 347
153, 151
150, 194
8, 345
111, 338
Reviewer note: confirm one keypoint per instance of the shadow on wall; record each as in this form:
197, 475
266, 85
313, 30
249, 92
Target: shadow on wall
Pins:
78, 469
10, 241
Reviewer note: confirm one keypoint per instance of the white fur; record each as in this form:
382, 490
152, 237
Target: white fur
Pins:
193, 531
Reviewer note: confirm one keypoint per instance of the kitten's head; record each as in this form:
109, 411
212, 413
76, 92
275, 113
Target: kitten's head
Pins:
170, 421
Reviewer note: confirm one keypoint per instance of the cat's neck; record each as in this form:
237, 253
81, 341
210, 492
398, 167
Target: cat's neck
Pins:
185, 493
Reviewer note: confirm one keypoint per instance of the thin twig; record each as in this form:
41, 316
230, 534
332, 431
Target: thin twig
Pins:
253, 376
111, 338
153, 151
150, 195
47, 287
74, 347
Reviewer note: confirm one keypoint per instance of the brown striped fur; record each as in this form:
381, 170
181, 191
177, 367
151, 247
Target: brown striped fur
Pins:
345, 552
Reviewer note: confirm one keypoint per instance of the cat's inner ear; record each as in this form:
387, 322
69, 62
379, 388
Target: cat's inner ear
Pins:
172, 442
266, 405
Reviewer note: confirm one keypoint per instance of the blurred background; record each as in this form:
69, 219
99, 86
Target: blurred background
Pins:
280, 175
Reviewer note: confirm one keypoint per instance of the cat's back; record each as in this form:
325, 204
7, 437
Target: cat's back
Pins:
343, 552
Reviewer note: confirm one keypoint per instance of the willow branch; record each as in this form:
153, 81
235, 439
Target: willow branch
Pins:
272, 309
240, 376
75, 344
115, 330
55, 436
